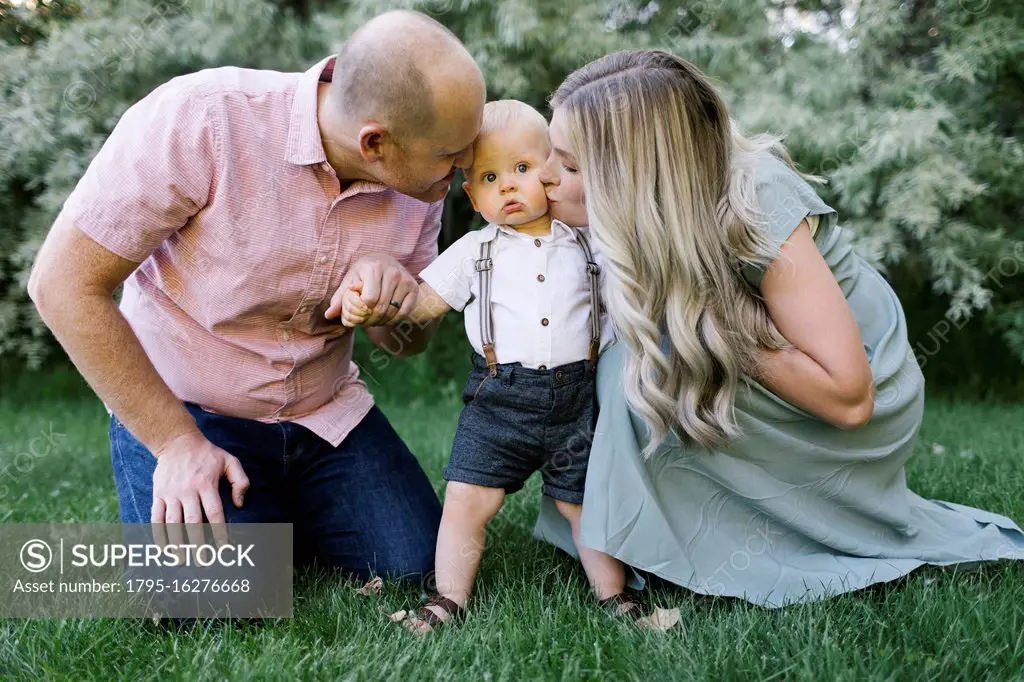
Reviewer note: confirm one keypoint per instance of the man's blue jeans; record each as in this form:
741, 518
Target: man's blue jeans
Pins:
364, 508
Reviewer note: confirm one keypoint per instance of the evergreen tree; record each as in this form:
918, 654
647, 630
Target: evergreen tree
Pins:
910, 110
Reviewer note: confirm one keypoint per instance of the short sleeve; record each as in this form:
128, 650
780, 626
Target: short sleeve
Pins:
784, 200
154, 172
426, 247
451, 274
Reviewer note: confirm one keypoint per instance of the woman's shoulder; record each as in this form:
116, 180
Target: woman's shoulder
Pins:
784, 199
774, 173
784, 196
769, 167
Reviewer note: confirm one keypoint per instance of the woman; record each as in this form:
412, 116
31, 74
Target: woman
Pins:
759, 408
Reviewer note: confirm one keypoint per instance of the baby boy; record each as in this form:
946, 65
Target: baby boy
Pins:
528, 287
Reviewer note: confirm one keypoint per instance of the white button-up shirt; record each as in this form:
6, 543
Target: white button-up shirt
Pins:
540, 293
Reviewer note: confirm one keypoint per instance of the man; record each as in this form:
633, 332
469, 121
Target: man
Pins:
236, 206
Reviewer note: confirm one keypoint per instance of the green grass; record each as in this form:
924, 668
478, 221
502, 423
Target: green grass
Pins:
532, 618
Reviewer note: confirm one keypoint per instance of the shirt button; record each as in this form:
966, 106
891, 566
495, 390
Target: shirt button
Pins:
558, 375
304, 309
326, 166
536, 242
323, 259
540, 278
286, 335
544, 322
543, 367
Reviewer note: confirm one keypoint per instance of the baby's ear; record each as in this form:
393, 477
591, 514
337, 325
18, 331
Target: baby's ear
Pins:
468, 189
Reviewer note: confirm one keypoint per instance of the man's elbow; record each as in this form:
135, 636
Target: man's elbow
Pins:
36, 288
403, 340
412, 351
407, 349
416, 343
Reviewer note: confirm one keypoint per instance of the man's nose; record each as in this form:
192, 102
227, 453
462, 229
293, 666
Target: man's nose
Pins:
465, 159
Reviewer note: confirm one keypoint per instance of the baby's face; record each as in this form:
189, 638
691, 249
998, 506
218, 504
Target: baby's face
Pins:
504, 183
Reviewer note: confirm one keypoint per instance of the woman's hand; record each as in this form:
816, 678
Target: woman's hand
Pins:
826, 373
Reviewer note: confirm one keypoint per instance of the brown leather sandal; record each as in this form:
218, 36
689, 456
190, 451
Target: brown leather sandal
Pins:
424, 620
628, 605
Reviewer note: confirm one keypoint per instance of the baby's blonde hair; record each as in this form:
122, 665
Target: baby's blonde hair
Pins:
503, 114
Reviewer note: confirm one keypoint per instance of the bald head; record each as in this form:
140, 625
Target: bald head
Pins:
401, 69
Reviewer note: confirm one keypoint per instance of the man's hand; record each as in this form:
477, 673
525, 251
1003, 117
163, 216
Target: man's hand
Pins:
381, 280
186, 480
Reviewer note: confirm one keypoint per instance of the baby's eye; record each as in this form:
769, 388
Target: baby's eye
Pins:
522, 168
490, 177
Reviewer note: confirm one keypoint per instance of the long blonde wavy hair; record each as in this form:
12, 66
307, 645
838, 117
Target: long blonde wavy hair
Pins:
670, 195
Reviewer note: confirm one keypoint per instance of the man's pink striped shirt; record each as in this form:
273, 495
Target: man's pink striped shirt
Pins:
218, 185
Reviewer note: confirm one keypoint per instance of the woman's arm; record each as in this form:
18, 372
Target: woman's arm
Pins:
826, 372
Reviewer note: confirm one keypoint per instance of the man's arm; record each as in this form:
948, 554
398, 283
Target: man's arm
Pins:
408, 331
153, 174
72, 285
381, 279
404, 339
412, 335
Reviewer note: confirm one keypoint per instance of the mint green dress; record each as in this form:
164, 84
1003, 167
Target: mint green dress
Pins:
797, 509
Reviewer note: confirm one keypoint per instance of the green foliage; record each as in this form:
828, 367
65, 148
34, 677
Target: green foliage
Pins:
60, 97
917, 126
24, 23
911, 110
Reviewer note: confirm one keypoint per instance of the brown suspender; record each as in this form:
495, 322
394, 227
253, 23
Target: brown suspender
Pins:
595, 296
485, 265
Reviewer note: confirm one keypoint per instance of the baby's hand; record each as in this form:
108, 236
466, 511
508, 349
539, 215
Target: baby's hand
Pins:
354, 312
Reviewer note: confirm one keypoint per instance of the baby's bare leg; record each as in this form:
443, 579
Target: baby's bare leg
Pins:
460, 540
607, 575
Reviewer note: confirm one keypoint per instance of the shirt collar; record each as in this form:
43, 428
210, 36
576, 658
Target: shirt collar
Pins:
305, 147
491, 231
304, 144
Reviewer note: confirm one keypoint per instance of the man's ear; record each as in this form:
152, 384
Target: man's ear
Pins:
468, 189
373, 141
